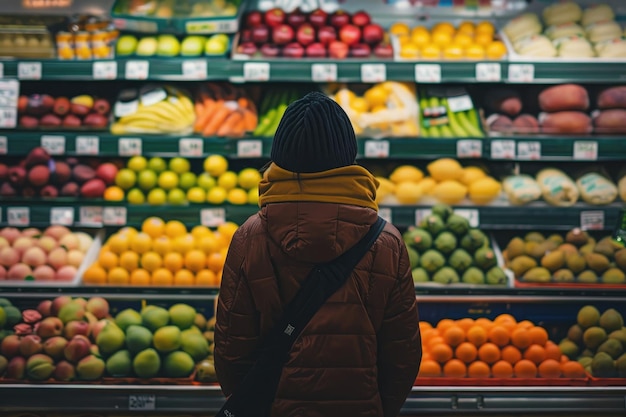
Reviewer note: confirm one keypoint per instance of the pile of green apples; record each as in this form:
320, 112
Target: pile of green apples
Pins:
169, 46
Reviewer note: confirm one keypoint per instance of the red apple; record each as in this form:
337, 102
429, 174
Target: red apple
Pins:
361, 18
383, 50
61, 106
327, 34
293, 50
318, 18
339, 19
260, 34
296, 18
360, 50
316, 50
274, 17
350, 34
71, 120
254, 18
373, 34
306, 34
282, 34
29, 122
247, 48
102, 106
50, 120
107, 172
338, 49
270, 50
246, 36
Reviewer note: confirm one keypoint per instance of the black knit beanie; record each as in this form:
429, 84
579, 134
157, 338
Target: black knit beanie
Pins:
314, 135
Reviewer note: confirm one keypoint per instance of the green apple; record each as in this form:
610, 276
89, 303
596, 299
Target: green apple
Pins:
168, 46
147, 179
147, 46
179, 165
187, 180
192, 46
176, 197
157, 197
125, 178
214, 46
126, 45
157, 164
206, 181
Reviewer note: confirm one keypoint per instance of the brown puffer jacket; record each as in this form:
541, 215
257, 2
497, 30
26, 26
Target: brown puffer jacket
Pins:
360, 354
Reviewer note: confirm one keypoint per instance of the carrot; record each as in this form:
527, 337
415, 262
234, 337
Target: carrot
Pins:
215, 123
242, 102
229, 124
239, 129
203, 119
250, 120
199, 107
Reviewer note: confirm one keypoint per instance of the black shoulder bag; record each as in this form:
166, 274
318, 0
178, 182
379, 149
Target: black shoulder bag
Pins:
257, 391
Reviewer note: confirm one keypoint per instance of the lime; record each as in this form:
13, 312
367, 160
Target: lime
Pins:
237, 196
137, 163
249, 178
217, 195
228, 180
135, 196
196, 195
125, 178
187, 180
157, 164
176, 197
206, 181
157, 197
215, 165
179, 165
168, 180
147, 180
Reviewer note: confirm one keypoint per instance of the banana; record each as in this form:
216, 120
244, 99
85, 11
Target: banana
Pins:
603, 31
564, 30
536, 46
574, 47
527, 24
597, 13
560, 13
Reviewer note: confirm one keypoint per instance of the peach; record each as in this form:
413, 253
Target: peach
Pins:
57, 232
16, 369
81, 302
9, 257
44, 273
22, 244
34, 257
75, 258
54, 347
45, 308
3, 273
19, 272
30, 345
69, 241
84, 240
31, 232
10, 346
98, 306
4, 243
57, 258
66, 273
64, 371
10, 234
50, 327
77, 348
58, 303
47, 243
76, 327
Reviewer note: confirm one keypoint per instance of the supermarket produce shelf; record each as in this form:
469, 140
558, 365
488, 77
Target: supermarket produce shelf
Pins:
208, 399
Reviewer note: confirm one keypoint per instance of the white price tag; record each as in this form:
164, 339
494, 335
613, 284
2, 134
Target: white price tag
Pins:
190, 147
488, 72
521, 73
428, 73
373, 73
529, 150
55, 145
592, 220
9, 92
122, 109
324, 72
250, 148
87, 145
142, 402
256, 71
137, 70
91, 216
29, 70
4, 145
421, 214
1, 70
212, 217
469, 148
586, 150
471, 215
63, 216
114, 216
377, 149
195, 69
18, 216
104, 70
129, 146
460, 103
385, 214
503, 149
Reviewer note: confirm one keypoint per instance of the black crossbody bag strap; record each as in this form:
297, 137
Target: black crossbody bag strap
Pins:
256, 393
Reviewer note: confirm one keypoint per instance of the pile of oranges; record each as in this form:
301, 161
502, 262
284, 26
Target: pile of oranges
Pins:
499, 348
444, 41
162, 254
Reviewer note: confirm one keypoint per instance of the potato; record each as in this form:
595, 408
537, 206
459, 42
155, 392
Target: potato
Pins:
568, 122
610, 121
564, 97
613, 98
504, 100
526, 123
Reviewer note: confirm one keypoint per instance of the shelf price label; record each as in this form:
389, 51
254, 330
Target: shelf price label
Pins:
63, 216
256, 71
55, 145
460, 103
114, 216
488, 72
1, 70
586, 150
385, 214
142, 402
104, 70
503, 149
18, 216
195, 69
249, 148
87, 145
190, 147
428, 73
377, 149
592, 220
529, 150
91, 216
9, 92
521, 73
137, 70
129, 146
4, 145
29, 70
469, 148
212, 217
472, 216
324, 72
373, 73
421, 214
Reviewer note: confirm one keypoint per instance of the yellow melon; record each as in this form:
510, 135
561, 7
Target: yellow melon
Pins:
427, 185
484, 190
406, 173
408, 192
449, 192
385, 188
445, 169
471, 174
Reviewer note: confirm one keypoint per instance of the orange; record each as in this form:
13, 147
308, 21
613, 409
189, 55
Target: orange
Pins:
215, 262
173, 261
499, 336
445, 324
455, 369
538, 336
525, 369
183, 244
207, 244
475, 51
511, 354
489, 353
572, 369
420, 35
429, 368
550, 369
485, 323
151, 261
200, 231
227, 229
525, 324
466, 352
441, 353
140, 277
463, 40
162, 245
430, 51
118, 243
483, 39
399, 28
95, 275
521, 338
467, 28
195, 260
108, 260
444, 27
118, 276
454, 336
153, 227
206, 278
502, 369
441, 39
175, 228
485, 27
424, 325
129, 261
429, 334
162, 277
478, 369
409, 50
127, 231
496, 50
141, 243
552, 351
465, 324
435, 341
535, 353
477, 335
184, 278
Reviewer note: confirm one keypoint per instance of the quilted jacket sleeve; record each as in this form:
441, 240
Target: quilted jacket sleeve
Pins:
237, 324
400, 347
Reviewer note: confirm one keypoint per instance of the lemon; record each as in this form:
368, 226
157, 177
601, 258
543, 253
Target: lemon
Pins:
237, 196
253, 196
187, 180
141, 243
359, 105
408, 192
399, 28
205, 181
430, 51
485, 27
125, 178
406, 173
376, 96
441, 38
215, 165
227, 229
162, 245
118, 243
228, 180
135, 196
175, 228
137, 163
179, 165
217, 195
410, 51
496, 50
420, 36
453, 52
200, 231
196, 195
483, 39
463, 39
467, 28
157, 164
151, 261
184, 244
444, 27
249, 178
176, 197
168, 180
157, 197
153, 226
475, 51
